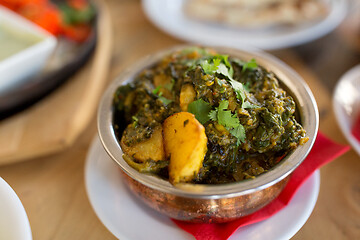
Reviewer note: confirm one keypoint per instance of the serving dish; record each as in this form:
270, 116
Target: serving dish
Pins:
208, 203
123, 214
346, 104
14, 223
170, 17
31, 46
68, 57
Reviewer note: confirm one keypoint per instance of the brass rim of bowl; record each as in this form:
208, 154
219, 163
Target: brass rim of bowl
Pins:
300, 92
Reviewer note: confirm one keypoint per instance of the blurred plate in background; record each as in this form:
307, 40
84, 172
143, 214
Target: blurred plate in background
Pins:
346, 105
169, 16
14, 223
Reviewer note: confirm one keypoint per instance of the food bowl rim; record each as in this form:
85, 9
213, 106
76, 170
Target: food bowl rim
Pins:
300, 91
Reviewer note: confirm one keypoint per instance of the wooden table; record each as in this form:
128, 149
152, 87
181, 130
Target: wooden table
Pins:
52, 188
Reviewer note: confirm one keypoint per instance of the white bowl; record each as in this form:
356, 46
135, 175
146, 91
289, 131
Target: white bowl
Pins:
346, 104
14, 223
21, 65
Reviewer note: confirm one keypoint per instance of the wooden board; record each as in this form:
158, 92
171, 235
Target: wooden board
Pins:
53, 124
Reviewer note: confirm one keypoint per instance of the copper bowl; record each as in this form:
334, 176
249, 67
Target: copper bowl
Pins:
213, 203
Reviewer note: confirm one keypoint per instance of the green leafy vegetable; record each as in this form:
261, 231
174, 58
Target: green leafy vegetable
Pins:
156, 90
215, 65
239, 133
213, 115
159, 94
249, 65
249, 105
169, 86
225, 60
200, 109
221, 65
228, 120
247, 86
225, 117
135, 121
165, 100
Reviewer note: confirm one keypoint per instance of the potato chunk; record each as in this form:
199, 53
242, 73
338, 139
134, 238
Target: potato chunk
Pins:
185, 143
162, 80
150, 149
187, 95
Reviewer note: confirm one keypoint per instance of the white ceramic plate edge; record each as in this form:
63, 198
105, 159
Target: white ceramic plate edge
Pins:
339, 111
16, 218
310, 189
202, 33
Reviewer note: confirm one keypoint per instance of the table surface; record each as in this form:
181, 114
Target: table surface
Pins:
52, 188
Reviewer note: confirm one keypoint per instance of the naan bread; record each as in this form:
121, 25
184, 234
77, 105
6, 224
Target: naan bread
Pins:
256, 13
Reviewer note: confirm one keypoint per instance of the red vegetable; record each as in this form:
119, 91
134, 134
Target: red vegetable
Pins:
51, 18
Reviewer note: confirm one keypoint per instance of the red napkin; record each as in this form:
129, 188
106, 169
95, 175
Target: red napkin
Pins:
356, 128
324, 151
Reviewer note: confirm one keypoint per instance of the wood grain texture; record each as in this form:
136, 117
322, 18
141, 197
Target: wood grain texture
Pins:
54, 124
52, 188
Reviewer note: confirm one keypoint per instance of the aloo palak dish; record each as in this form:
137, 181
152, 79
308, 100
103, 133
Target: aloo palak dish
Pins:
200, 117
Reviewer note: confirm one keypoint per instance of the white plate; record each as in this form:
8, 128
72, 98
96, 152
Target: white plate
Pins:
128, 218
14, 224
168, 16
346, 104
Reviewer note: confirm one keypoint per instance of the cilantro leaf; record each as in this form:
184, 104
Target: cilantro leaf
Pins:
224, 58
165, 100
169, 86
213, 115
239, 90
215, 65
159, 95
249, 105
223, 105
200, 109
209, 68
229, 121
221, 65
156, 90
222, 69
225, 117
247, 86
239, 133
251, 65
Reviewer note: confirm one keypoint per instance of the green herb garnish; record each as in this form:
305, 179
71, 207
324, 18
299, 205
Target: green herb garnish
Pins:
169, 86
200, 109
135, 121
165, 100
249, 65
159, 95
156, 90
228, 120
221, 65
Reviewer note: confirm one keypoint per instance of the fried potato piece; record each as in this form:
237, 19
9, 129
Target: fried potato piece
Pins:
162, 80
150, 149
187, 95
185, 143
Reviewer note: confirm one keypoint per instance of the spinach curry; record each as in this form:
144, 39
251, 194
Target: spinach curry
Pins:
249, 120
